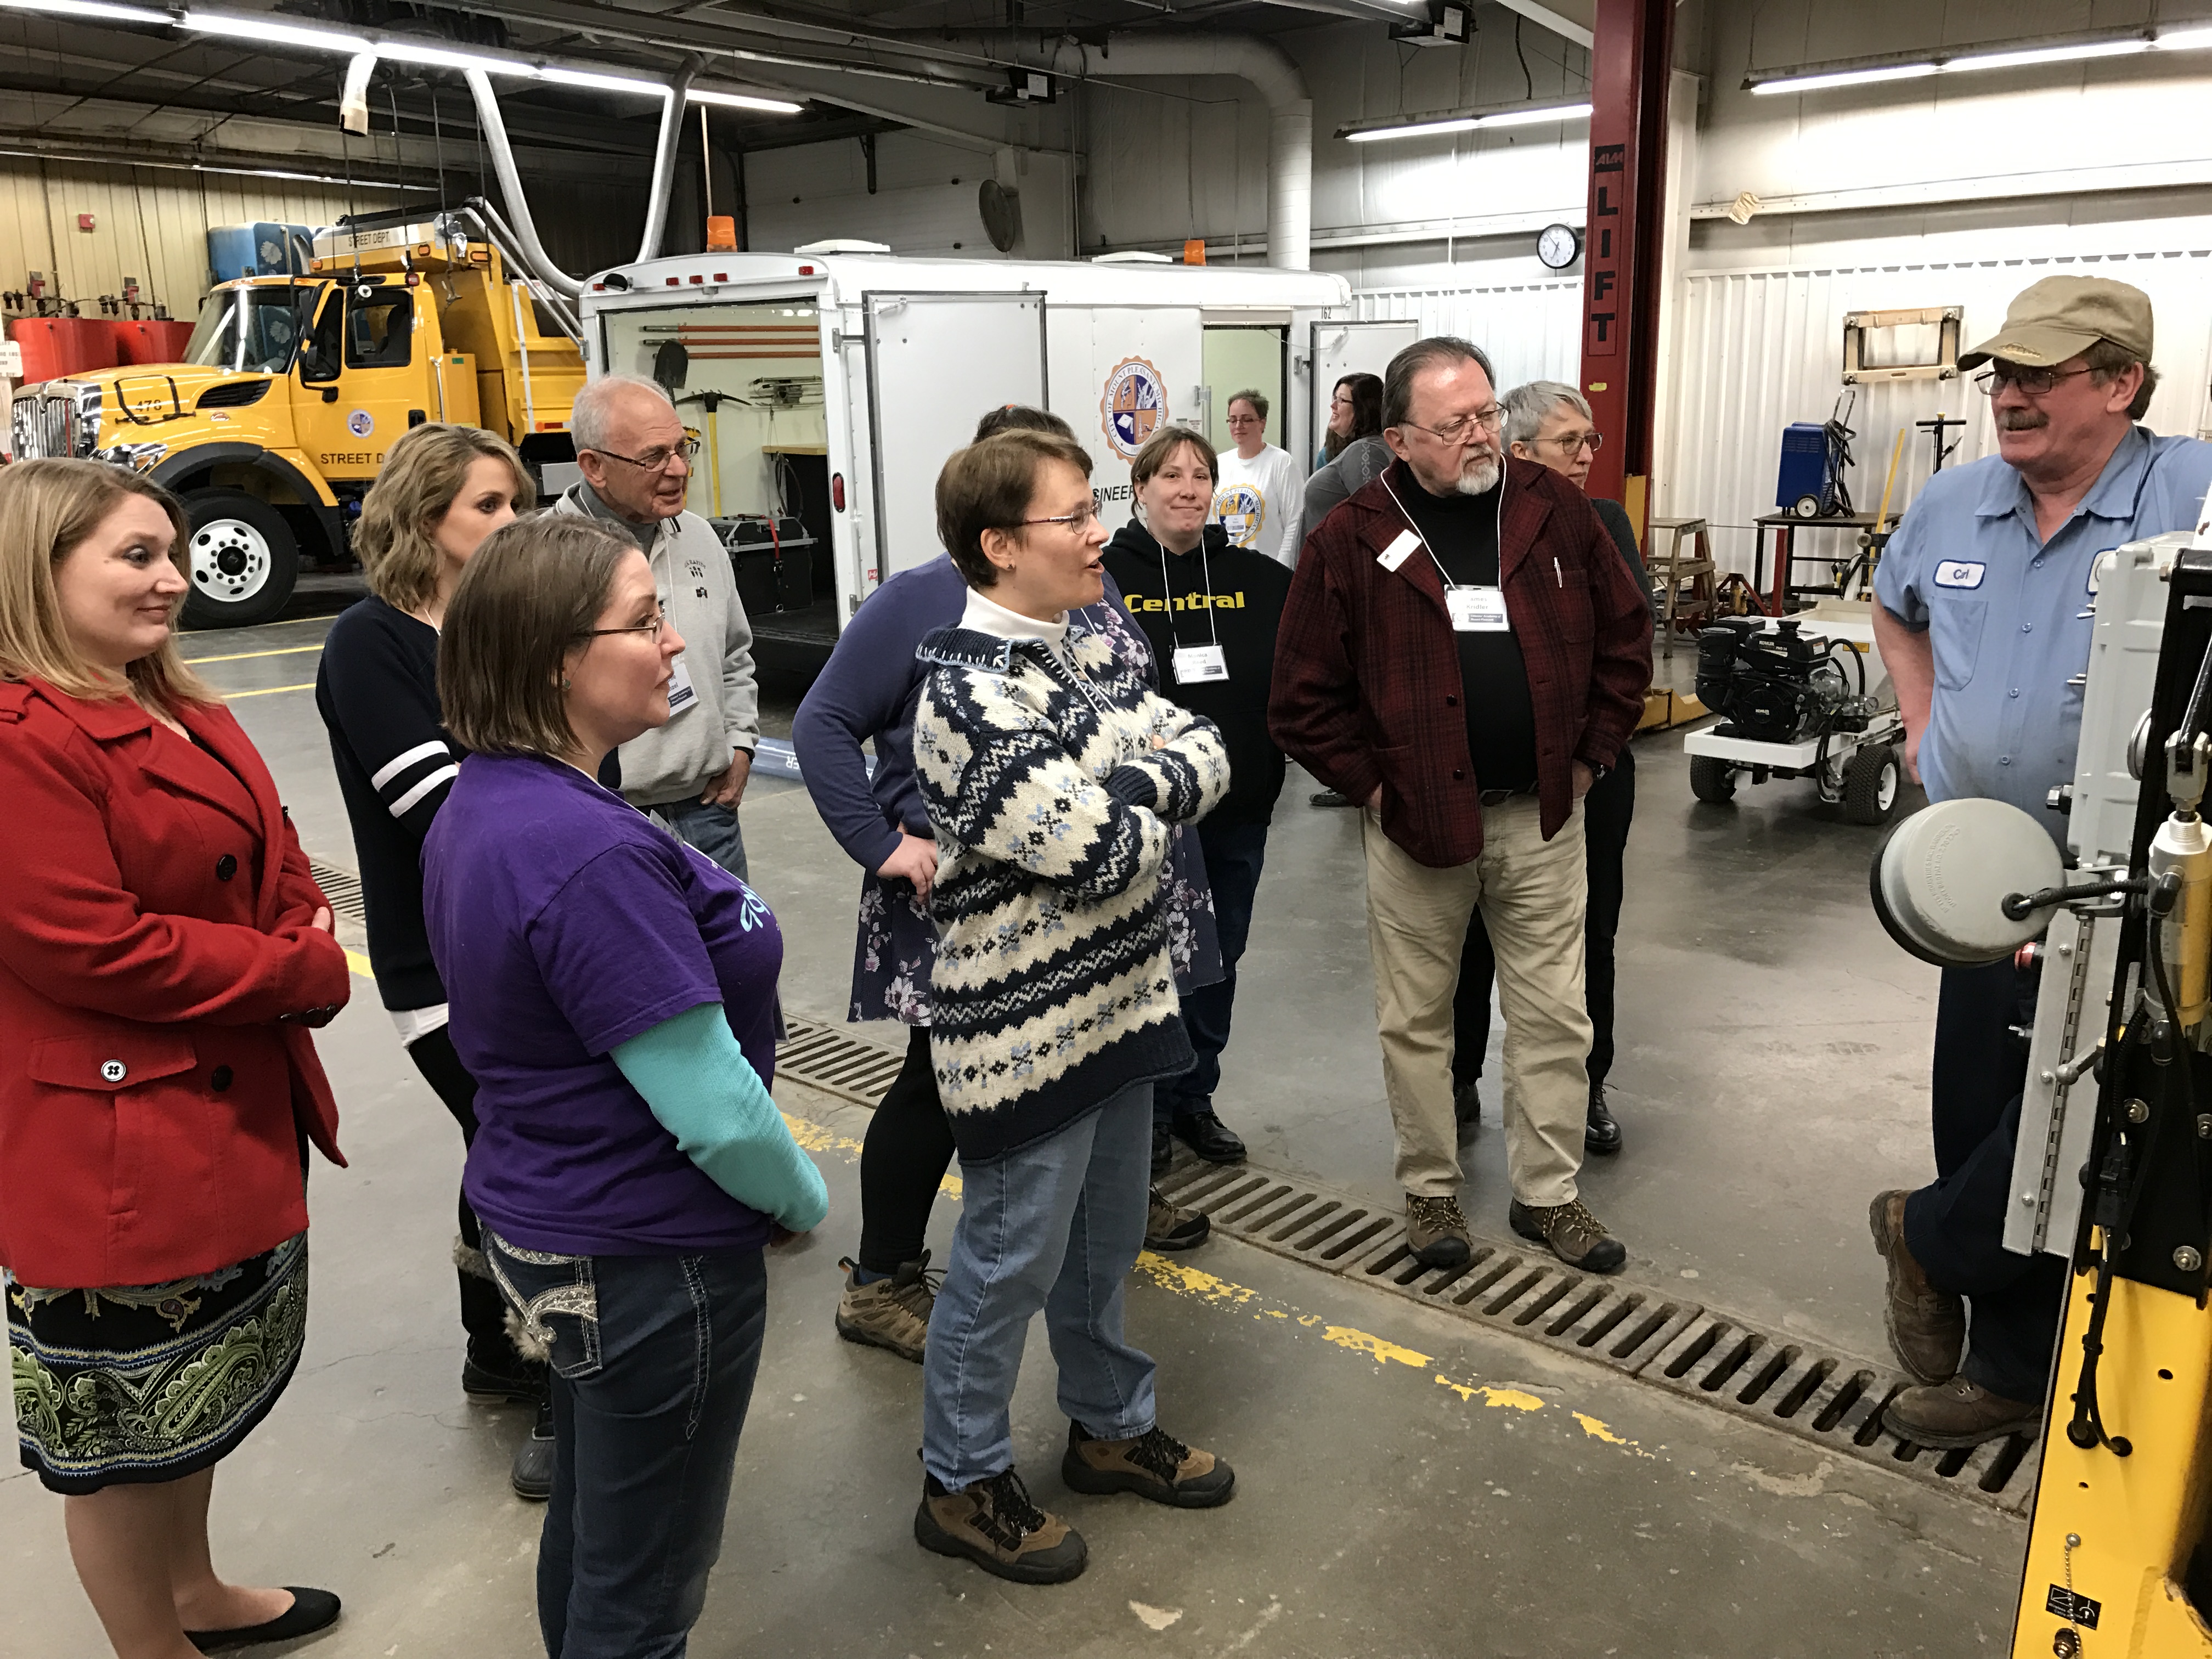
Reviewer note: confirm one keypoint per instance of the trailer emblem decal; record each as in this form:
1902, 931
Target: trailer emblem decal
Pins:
1134, 405
361, 423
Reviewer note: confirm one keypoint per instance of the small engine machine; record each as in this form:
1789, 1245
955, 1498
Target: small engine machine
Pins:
1778, 686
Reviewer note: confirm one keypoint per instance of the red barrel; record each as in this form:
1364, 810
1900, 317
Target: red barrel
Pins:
144, 341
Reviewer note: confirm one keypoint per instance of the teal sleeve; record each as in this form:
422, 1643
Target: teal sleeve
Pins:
699, 1084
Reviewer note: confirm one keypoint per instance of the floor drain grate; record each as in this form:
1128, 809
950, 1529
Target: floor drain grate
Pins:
829, 1058
1834, 1401
342, 887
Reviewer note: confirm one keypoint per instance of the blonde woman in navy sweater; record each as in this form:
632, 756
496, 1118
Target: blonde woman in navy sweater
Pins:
443, 490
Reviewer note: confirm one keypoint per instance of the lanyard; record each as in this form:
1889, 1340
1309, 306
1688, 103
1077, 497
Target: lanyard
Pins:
1206, 575
1443, 575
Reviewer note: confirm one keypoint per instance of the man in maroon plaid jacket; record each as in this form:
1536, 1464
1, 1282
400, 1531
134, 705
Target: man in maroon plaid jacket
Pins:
1464, 653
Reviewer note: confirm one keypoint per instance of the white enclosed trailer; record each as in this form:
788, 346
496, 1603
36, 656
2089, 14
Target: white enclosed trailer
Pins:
828, 386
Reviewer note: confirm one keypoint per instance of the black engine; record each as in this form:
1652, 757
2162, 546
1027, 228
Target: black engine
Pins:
1777, 686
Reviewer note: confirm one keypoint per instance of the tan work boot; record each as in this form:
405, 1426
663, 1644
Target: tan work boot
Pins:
1154, 1465
1575, 1236
1926, 1326
1170, 1227
1958, 1413
1436, 1231
994, 1524
890, 1313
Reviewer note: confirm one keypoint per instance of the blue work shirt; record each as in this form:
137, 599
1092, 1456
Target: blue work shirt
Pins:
2009, 614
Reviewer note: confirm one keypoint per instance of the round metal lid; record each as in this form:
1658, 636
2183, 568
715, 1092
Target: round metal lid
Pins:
1941, 877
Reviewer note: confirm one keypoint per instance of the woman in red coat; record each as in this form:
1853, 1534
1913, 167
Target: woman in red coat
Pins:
164, 951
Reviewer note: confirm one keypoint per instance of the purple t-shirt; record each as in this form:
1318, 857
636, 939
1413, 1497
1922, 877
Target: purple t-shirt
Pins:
565, 922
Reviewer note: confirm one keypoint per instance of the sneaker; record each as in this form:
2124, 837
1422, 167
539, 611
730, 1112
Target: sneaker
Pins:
1602, 1133
1169, 1228
531, 1475
1958, 1413
890, 1313
1926, 1326
499, 1376
1154, 1465
994, 1524
1328, 797
1435, 1232
1575, 1236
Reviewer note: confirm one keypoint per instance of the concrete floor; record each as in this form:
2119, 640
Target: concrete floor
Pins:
1773, 1051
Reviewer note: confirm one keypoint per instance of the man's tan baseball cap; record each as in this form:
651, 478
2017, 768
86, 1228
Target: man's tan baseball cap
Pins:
2062, 316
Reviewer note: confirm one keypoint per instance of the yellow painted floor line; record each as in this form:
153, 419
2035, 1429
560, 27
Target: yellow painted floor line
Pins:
359, 963
240, 656
266, 691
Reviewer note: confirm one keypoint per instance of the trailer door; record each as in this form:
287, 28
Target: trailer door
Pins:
1348, 348
936, 363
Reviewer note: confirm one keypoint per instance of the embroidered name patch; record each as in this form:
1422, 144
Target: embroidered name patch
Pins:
1958, 572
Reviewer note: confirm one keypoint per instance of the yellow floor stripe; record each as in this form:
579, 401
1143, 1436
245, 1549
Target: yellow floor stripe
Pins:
240, 656
265, 691
359, 963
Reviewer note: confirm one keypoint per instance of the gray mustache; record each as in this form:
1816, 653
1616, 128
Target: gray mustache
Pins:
2021, 420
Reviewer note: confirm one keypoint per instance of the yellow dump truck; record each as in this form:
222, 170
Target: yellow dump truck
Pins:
275, 424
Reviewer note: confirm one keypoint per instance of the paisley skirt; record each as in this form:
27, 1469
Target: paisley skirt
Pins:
151, 1382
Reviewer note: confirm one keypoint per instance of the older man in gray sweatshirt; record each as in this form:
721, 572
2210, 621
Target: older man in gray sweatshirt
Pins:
636, 462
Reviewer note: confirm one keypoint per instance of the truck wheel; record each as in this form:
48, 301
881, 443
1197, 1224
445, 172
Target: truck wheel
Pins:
1872, 784
1712, 779
244, 559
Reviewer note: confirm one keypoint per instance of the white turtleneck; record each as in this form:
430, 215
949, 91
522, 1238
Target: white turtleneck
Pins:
987, 616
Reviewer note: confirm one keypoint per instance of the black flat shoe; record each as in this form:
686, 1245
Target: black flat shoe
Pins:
533, 1473
1163, 1150
1328, 797
1603, 1134
310, 1610
501, 1379
1208, 1136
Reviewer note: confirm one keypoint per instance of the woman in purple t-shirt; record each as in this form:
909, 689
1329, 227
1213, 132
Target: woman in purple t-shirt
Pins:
613, 993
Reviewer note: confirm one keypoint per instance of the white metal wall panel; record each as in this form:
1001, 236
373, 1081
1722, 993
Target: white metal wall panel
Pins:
1761, 349
1532, 330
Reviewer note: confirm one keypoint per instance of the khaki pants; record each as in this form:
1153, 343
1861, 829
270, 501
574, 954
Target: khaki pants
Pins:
1532, 894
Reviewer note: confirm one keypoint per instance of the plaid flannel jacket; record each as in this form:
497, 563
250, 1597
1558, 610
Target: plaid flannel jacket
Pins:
1367, 687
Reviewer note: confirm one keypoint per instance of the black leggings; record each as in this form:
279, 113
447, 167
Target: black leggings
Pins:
484, 1315
904, 1158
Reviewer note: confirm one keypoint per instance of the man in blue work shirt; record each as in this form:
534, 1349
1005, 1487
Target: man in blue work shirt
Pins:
1983, 623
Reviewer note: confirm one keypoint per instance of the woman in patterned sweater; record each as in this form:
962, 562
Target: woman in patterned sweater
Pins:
1051, 774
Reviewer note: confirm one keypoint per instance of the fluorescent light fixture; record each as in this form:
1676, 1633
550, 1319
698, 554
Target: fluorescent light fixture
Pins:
1511, 117
269, 32
1843, 78
2044, 55
739, 101
90, 8
596, 82
2184, 40
410, 51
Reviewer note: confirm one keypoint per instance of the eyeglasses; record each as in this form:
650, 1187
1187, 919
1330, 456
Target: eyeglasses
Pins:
1339, 401
1080, 520
2032, 382
1461, 430
655, 460
1573, 443
653, 627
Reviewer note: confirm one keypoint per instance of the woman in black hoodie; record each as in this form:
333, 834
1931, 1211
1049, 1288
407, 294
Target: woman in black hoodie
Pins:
1210, 610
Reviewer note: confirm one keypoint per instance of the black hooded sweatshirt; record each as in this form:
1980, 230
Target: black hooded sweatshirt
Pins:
1241, 605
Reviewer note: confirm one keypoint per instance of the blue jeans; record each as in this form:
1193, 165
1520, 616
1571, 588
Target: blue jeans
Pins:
1056, 1225
1235, 854
712, 830
652, 1359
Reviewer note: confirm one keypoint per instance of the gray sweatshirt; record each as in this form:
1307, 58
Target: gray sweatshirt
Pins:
699, 594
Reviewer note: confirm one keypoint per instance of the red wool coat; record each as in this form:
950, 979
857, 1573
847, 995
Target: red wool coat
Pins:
1367, 690
155, 921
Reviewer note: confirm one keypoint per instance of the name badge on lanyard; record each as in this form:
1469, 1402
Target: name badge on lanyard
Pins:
1194, 665
1477, 609
681, 692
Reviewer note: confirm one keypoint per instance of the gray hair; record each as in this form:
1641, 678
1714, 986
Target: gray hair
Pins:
1528, 407
589, 416
1398, 379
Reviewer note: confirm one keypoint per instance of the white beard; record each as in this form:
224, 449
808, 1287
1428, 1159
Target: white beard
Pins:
1479, 473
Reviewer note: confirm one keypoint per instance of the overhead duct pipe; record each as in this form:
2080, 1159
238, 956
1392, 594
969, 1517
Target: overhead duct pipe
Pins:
1262, 64
664, 156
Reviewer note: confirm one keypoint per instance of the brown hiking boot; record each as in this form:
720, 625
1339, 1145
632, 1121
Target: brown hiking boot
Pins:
890, 1313
994, 1524
1170, 1227
1926, 1326
1575, 1236
1435, 1232
1154, 1465
1958, 1413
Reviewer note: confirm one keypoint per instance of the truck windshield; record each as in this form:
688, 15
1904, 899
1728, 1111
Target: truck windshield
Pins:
251, 328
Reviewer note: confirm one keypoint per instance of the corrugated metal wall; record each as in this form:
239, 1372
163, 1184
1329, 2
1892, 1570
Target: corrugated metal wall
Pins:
1531, 331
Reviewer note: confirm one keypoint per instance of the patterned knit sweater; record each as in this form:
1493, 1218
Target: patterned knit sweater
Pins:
1053, 989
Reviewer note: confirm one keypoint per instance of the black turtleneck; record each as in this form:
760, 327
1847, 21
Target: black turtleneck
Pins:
1461, 532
